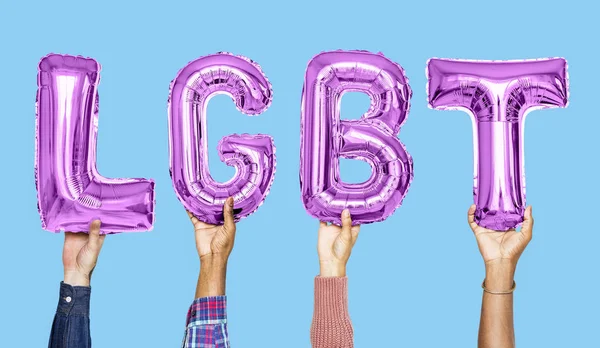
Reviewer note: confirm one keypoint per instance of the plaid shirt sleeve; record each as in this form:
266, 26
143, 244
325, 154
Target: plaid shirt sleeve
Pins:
206, 325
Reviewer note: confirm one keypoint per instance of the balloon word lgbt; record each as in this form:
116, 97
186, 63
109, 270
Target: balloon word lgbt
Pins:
497, 95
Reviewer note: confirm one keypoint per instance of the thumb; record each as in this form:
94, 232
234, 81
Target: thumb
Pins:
95, 240
471, 217
229, 221
346, 234
527, 227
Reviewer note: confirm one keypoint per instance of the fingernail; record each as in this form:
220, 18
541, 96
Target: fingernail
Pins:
230, 201
346, 213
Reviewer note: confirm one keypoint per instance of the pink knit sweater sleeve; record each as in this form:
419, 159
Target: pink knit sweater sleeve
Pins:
331, 325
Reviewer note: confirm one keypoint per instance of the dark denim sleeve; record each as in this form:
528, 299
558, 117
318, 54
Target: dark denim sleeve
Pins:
71, 327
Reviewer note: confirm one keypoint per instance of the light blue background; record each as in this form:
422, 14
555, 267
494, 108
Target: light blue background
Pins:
414, 279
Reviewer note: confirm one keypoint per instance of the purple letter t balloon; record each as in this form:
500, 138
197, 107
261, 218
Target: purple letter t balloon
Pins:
498, 96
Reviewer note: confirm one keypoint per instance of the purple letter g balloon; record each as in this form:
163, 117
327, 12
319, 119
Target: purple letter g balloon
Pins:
71, 193
372, 138
252, 155
498, 96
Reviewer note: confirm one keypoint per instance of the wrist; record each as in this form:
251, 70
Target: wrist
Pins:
332, 269
500, 274
213, 260
212, 278
76, 278
213, 269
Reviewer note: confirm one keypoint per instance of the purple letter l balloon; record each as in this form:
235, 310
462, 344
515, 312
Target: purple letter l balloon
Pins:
71, 193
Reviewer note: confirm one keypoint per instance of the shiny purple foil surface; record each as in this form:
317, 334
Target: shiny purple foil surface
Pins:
253, 156
373, 138
498, 95
71, 193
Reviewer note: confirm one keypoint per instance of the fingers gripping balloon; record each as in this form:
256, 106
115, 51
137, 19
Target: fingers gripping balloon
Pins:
71, 193
372, 138
498, 96
252, 155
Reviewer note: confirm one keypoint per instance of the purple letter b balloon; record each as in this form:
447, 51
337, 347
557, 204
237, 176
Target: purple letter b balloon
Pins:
372, 138
71, 193
252, 155
498, 96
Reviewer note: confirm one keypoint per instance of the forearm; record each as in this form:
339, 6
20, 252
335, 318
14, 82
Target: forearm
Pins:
71, 326
76, 278
332, 269
212, 277
496, 329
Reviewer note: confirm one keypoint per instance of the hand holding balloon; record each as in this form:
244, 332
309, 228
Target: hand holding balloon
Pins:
80, 254
335, 245
214, 244
215, 241
501, 250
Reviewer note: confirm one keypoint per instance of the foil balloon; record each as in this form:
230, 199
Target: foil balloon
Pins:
373, 138
71, 193
253, 156
498, 95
